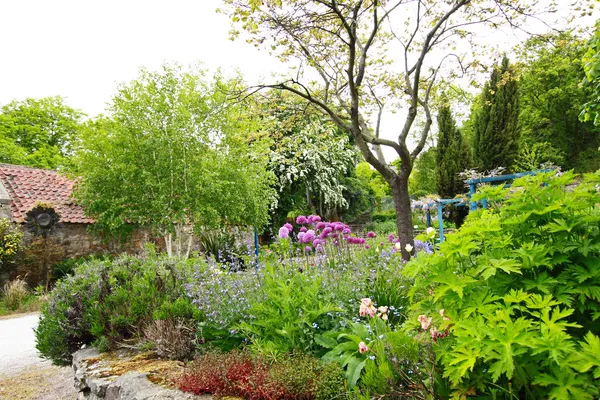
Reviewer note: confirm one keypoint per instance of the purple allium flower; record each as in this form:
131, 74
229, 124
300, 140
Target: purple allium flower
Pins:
284, 233
301, 220
301, 237
316, 219
361, 241
321, 225
371, 234
367, 247
309, 236
391, 238
317, 242
307, 249
338, 226
346, 231
381, 243
335, 236
289, 227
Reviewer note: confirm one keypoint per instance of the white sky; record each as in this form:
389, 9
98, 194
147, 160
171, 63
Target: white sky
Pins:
81, 49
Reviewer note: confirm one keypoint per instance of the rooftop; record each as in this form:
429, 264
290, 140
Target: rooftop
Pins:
26, 186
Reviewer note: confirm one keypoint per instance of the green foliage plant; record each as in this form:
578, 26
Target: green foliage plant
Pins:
517, 291
292, 310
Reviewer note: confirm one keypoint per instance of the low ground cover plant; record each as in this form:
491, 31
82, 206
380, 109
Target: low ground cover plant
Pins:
240, 374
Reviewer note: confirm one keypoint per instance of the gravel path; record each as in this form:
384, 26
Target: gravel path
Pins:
23, 375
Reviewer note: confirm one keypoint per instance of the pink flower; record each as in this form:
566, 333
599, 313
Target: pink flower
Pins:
391, 238
289, 227
362, 348
425, 322
371, 234
303, 229
320, 225
367, 308
301, 237
367, 247
307, 249
434, 333
301, 220
284, 232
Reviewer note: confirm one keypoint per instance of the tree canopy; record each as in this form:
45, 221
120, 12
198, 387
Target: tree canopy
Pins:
173, 153
39, 132
551, 98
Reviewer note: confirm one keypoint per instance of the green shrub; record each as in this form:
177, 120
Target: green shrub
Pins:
107, 302
518, 290
10, 243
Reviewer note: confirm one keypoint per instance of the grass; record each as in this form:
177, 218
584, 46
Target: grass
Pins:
17, 298
29, 304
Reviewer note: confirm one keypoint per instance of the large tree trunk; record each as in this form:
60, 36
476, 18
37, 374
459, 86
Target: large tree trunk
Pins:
403, 213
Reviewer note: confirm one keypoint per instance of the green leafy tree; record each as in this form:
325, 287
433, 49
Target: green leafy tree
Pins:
311, 159
378, 188
551, 98
39, 132
496, 126
424, 177
452, 157
591, 62
347, 46
174, 154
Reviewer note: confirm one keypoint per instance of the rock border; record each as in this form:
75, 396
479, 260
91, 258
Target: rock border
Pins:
129, 386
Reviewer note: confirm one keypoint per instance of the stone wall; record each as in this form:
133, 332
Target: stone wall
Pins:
78, 241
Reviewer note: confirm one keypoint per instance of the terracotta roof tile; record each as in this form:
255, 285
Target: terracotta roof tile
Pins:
27, 186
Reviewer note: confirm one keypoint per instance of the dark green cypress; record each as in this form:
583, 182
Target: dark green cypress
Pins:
452, 156
496, 141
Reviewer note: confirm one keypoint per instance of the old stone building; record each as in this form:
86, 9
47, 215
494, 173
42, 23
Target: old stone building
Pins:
21, 188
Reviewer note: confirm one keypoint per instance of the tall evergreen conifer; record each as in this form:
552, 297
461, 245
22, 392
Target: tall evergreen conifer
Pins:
452, 156
496, 139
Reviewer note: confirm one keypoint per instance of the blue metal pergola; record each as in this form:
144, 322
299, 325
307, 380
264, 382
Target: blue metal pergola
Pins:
472, 189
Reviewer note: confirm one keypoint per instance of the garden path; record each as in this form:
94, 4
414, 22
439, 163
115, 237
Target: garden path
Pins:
24, 375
